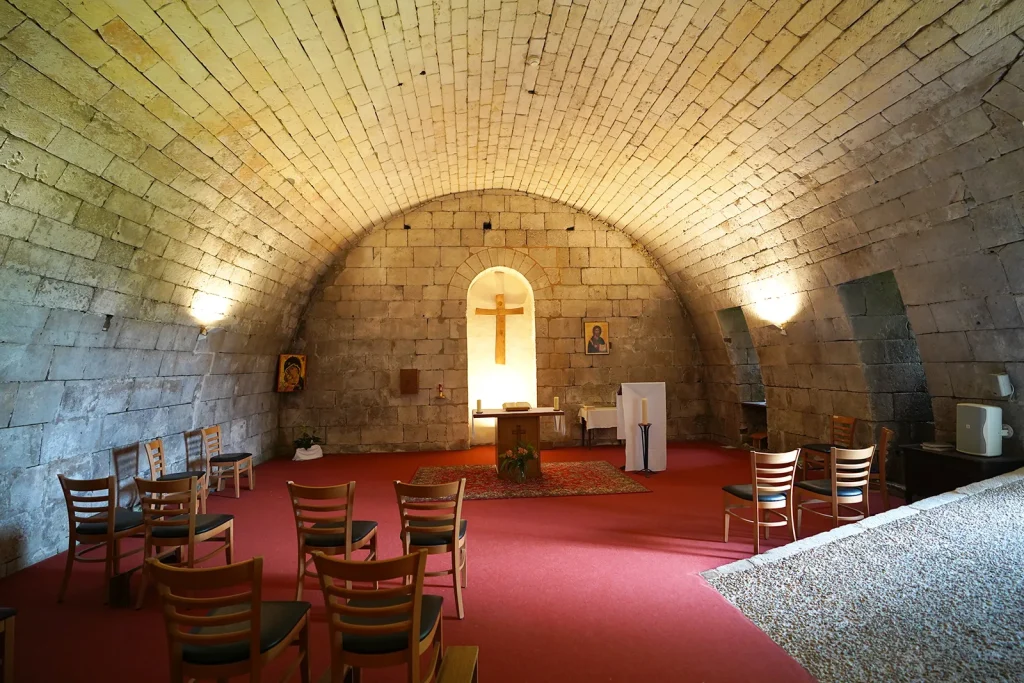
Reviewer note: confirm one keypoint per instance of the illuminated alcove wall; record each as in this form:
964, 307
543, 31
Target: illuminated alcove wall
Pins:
490, 383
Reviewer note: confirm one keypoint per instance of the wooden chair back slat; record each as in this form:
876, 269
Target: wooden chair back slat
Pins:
432, 508
337, 577
773, 472
851, 468
189, 595
843, 431
157, 460
169, 503
329, 506
89, 500
211, 443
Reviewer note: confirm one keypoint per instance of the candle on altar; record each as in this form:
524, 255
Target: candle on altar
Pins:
643, 410
478, 405
556, 403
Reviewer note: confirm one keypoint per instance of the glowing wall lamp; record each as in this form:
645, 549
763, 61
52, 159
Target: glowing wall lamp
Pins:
208, 309
774, 303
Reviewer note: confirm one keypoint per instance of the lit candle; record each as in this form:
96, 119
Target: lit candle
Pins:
643, 410
478, 408
556, 403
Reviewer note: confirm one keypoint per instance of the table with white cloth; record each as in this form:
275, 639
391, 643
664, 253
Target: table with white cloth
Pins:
596, 417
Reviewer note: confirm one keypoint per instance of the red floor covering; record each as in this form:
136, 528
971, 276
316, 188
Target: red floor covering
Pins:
590, 588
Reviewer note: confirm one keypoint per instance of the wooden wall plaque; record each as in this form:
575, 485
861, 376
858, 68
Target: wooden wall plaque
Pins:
409, 381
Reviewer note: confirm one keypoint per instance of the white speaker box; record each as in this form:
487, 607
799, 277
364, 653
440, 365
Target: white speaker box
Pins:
979, 429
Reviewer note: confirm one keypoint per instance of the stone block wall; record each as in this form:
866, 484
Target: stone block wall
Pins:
398, 300
124, 219
930, 189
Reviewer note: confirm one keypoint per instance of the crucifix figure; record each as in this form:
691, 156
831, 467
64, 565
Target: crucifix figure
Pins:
500, 312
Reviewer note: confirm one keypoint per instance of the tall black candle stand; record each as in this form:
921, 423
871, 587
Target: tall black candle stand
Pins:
645, 443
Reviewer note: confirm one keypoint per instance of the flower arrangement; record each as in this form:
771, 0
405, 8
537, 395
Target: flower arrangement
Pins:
307, 440
513, 461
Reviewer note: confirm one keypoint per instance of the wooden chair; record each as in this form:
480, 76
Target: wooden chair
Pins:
7, 616
815, 454
219, 626
759, 439
219, 464
170, 521
885, 437
432, 520
850, 474
460, 665
94, 522
157, 471
770, 490
323, 523
371, 628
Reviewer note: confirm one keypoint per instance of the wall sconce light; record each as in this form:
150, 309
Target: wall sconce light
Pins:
406, 227
440, 391
571, 228
487, 225
106, 323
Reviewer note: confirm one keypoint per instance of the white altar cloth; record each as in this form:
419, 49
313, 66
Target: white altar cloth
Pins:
599, 417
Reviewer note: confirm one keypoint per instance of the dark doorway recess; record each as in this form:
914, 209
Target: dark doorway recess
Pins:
897, 392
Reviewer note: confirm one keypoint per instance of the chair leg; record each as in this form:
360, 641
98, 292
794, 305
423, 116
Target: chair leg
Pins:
456, 557
305, 670
867, 501
792, 525
757, 531
835, 512
67, 570
8, 676
302, 573
229, 546
725, 534
251, 472
465, 564
238, 482
143, 585
799, 520
111, 550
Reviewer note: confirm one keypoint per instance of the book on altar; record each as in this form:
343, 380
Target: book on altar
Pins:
516, 406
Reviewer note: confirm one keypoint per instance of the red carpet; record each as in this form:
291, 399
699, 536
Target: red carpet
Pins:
589, 478
589, 588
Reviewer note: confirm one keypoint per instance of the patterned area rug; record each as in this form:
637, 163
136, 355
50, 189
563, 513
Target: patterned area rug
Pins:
588, 478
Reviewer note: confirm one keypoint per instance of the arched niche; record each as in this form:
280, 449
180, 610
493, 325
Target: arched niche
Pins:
489, 381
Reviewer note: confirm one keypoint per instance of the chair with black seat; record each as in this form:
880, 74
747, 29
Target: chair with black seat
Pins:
7, 617
878, 476
220, 464
170, 521
383, 626
95, 522
431, 517
323, 522
769, 493
158, 471
814, 454
219, 626
848, 485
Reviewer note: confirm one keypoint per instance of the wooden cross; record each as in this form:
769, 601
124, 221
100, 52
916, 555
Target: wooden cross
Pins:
519, 432
500, 311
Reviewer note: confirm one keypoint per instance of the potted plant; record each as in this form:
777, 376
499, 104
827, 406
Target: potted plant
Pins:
512, 462
307, 446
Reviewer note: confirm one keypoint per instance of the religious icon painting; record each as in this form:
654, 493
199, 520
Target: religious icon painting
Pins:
597, 338
291, 372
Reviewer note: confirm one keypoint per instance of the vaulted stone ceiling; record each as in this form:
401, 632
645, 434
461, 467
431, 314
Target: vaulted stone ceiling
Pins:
697, 127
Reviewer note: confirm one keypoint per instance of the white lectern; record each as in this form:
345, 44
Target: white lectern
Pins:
629, 404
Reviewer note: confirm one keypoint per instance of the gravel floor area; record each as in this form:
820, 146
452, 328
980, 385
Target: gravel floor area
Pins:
936, 596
